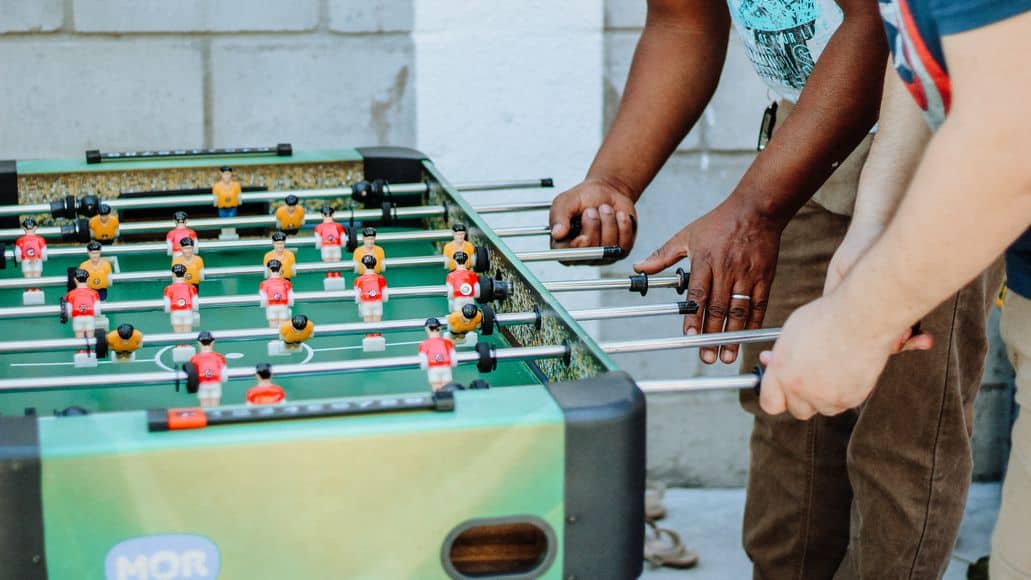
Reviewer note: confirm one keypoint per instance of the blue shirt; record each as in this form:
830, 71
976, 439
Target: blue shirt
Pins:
914, 29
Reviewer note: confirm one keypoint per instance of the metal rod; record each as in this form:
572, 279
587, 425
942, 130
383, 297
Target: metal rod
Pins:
749, 381
413, 212
564, 254
172, 201
291, 241
607, 284
736, 337
339, 329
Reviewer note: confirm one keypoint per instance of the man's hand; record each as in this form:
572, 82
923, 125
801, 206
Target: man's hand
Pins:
606, 214
733, 252
821, 363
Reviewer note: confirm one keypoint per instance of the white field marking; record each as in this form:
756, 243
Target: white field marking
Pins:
59, 364
233, 355
229, 355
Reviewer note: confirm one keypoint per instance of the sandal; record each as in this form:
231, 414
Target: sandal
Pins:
670, 553
653, 493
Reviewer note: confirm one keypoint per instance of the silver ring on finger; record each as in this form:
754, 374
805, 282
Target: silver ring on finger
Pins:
740, 297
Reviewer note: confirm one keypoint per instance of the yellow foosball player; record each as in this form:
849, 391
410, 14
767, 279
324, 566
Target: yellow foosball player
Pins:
459, 243
193, 263
226, 192
103, 227
290, 217
98, 268
286, 258
462, 323
124, 341
293, 334
369, 248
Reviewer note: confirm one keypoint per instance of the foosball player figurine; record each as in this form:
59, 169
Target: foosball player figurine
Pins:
458, 243
265, 393
369, 248
290, 217
182, 305
210, 367
193, 263
463, 285
30, 251
370, 292
293, 333
123, 342
279, 252
82, 304
277, 295
226, 192
99, 271
329, 236
180, 231
463, 322
103, 227
437, 355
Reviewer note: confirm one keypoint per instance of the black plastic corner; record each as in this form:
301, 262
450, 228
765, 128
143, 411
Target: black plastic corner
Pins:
604, 476
9, 191
22, 553
394, 164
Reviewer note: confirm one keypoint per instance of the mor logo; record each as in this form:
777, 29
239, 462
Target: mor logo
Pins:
163, 557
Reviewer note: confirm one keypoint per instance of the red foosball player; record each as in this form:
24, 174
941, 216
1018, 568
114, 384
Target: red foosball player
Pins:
329, 237
277, 295
82, 305
369, 248
463, 322
124, 341
180, 231
279, 252
458, 243
103, 227
370, 292
293, 333
30, 251
265, 393
226, 192
463, 285
437, 355
194, 264
183, 307
210, 367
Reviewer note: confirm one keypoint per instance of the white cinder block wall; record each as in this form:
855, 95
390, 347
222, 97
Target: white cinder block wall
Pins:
489, 90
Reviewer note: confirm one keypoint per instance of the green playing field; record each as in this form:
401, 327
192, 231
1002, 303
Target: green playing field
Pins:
239, 353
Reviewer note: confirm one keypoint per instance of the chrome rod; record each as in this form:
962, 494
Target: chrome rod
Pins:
735, 337
340, 329
749, 381
412, 212
565, 254
607, 284
172, 201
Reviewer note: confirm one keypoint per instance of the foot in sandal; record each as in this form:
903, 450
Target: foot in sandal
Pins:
663, 547
653, 494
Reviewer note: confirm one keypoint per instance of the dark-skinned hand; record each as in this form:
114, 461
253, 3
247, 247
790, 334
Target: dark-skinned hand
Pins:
606, 214
733, 250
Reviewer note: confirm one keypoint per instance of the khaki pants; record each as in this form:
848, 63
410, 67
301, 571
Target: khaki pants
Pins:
877, 492
1011, 542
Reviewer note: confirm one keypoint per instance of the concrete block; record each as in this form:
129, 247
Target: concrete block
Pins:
373, 16
31, 16
619, 53
733, 116
621, 14
73, 95
194, 15
529, 16
332, 92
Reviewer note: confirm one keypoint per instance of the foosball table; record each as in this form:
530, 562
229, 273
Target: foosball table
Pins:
334, 438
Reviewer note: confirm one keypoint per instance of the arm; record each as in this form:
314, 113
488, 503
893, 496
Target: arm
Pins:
733, 248
168, 304
970, 197
262, 298
674, 73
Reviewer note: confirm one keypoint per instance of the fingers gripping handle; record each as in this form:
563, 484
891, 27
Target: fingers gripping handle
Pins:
576, 227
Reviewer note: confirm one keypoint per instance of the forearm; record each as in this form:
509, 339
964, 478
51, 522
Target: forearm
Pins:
834, 113
902, 136
970, 198
674, 73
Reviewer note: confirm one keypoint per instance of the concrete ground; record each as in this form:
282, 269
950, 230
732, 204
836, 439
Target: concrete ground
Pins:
709, 521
